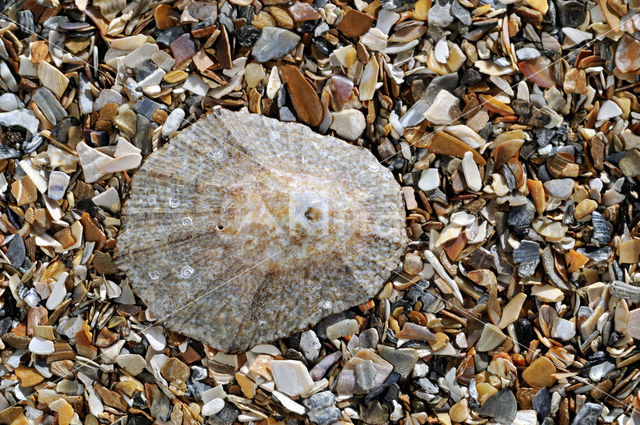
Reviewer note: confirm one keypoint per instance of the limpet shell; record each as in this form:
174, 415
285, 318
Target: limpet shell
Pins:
244, 229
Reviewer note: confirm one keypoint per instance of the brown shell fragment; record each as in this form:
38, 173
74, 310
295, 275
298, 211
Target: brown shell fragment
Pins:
303, 97
244, 229
445, 144
628, 54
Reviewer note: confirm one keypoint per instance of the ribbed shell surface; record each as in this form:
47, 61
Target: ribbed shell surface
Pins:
244, 229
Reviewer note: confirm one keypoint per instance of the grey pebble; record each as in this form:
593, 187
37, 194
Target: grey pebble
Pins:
366, 375
274, 43
541, 403
310, 345
369, 338
602, 229
440, 14
528, 251
588, 415
502, 407
559, 188
402, 359
521, 215
16, 251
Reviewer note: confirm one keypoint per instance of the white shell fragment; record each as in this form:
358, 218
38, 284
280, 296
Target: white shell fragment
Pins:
258, 228
58, 182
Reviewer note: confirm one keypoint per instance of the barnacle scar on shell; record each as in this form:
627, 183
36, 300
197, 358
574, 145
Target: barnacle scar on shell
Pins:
244, 229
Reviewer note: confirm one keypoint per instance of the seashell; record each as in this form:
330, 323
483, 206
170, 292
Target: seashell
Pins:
602, 229
110, 8
625, 291
528, 251
237, 233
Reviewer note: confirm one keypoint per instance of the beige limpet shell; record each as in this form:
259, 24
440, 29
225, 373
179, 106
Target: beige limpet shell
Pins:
244, 229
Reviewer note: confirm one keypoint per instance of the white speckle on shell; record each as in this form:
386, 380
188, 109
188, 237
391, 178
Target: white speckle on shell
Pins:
269, 239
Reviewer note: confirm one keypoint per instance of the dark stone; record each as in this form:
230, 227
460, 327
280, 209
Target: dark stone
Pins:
544, 136
397, 163
247, 35
541, 403
524, 331
197, 388
227, 416
528, 114
602, 229
509, 178
526, 252
166, 37
95, 137
147, 107
138, 420
375, 394
588, 415
481, 258
228, 23
26, 22
246, 12
78, 29
5, 325
481, 362
502, 406
601, 254
440, 366
470, 76
309, 27
593, 360
60, 131
418, 405
417, 291
521, 215
198, 373
292, 354
144, 69
142, 138
322, 46
206, 23
13, 218
393, 393
572, 13
16, 252
461, 13
527, 256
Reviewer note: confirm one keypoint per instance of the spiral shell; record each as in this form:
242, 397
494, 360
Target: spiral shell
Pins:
244, 229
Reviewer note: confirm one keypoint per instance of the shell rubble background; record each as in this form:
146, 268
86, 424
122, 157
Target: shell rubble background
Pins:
511, 126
